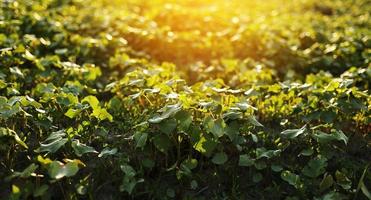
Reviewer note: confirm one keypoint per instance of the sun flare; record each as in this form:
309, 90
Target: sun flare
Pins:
185, 99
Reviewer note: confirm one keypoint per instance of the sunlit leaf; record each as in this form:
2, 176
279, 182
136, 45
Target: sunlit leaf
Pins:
107, 152
291, 178
293, 133
81, 149
54, 142
58, 170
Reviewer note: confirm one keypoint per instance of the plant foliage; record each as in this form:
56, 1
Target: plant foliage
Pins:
135, 99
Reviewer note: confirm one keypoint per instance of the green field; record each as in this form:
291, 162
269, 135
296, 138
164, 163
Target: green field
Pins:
185, 99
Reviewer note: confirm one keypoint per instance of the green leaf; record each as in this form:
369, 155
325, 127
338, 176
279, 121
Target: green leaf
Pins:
194, 184
168, 126
128, 170
291, 178
342, 180
365, 190
102, 114
332, 196
263, 152
315, 167
326, 183
19, 141
232, 130
328, 116
254, 121
251, 92
92, 100
98, 112
81, 188
293, 133
11, 133
219, 158
245, 106
54, 142
260, 164
40, 191
3, 84
67, 99
28, 171
141, 139
58, 170
43, 88
16, 193
170, 192
167, 111
257, 177
157, 119
107, 152
72, 113
337, 135
190, 163
129, 182
276, 168
216, 127
232, 115
16, 71
254, 138
205, 145
361, 185
29, 56
306, 152
184, 120
81, 149
246, 161
148, 163
162, 142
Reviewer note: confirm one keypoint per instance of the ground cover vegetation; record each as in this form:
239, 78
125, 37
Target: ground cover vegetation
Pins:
194, 99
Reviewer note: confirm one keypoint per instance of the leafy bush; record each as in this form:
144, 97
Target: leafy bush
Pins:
185, 99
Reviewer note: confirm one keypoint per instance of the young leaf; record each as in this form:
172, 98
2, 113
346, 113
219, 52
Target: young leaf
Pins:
205, 145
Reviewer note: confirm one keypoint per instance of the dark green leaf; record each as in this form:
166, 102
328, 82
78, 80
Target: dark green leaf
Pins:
162, 142
219, 158
246, 161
